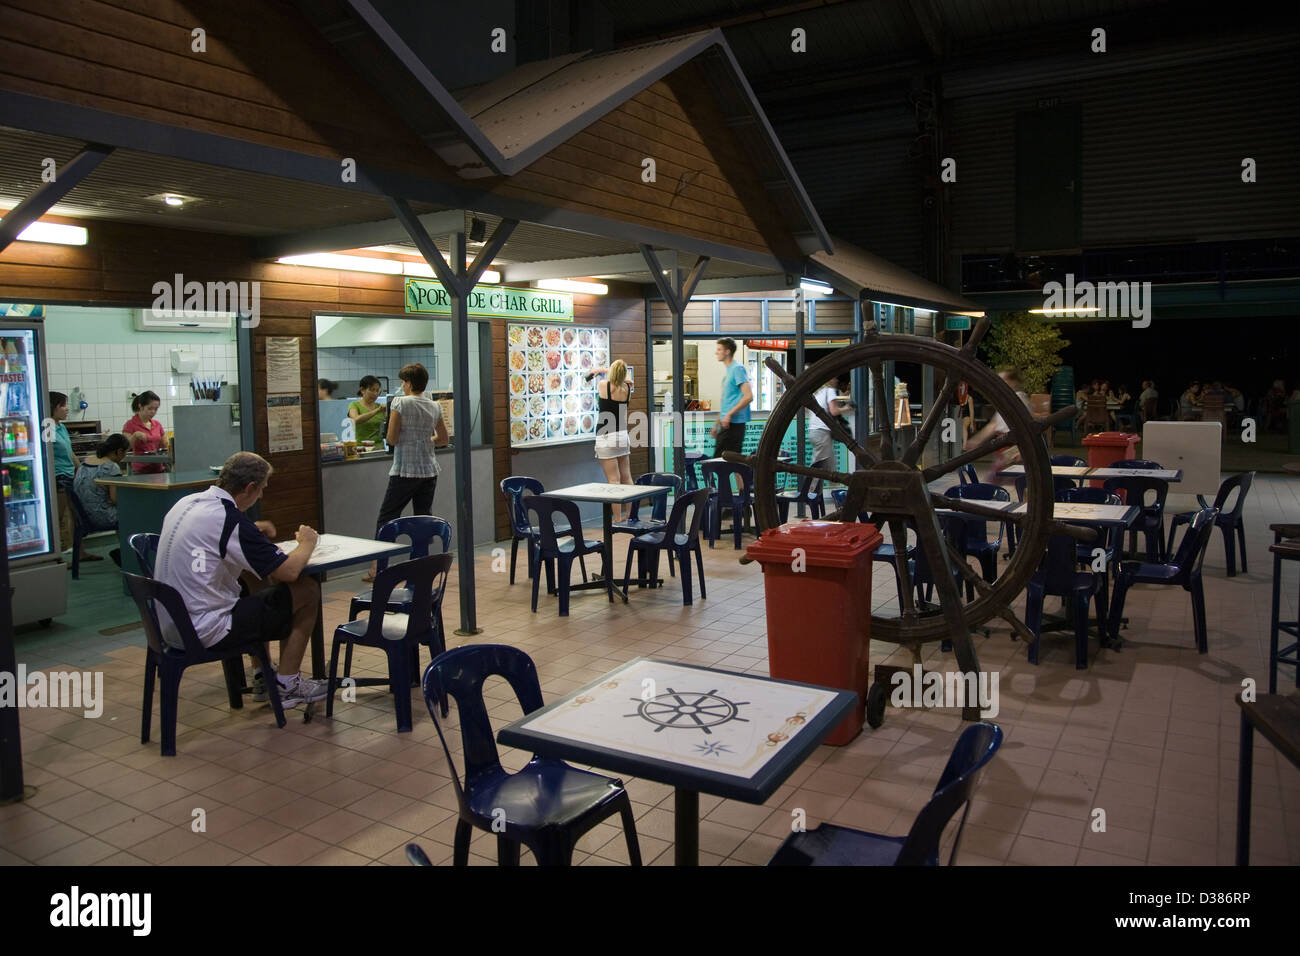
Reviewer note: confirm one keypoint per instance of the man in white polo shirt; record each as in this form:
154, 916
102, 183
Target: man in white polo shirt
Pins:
208, 544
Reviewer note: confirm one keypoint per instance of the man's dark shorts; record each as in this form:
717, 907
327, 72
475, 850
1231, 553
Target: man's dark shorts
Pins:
730, 438
258, 618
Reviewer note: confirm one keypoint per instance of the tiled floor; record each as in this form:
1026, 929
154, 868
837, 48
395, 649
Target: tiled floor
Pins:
1148, 735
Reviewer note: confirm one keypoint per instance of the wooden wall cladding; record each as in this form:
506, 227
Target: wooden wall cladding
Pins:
122, 262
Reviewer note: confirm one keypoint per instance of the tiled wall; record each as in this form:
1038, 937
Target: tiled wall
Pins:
106, 373
349, 366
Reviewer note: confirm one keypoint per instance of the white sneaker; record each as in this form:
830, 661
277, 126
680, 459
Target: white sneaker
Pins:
303, 690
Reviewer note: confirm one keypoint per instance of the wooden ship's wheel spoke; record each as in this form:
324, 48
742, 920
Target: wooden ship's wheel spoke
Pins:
893, 487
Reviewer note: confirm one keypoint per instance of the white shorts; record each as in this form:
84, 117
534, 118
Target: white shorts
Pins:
613, 445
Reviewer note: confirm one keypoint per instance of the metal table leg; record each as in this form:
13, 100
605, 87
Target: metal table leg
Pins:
686, 827
1244, 770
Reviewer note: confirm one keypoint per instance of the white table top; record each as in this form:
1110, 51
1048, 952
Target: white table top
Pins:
698, 720
1066, 511
1077, 471
600, 491
339, 550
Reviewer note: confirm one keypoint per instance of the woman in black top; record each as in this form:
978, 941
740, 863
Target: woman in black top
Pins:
612, 447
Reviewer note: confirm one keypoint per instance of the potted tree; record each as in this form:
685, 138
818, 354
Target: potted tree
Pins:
1032, 347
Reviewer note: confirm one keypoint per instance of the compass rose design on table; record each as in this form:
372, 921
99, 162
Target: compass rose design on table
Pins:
691, 710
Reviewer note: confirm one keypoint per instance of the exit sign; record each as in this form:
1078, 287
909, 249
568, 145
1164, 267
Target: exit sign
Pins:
956, 323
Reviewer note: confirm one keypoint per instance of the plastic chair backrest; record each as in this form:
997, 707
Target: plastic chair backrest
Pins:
145, 546
420, 529
148, 594
976, 530
427, 579
1068, 461
1058, 568
839, 496
718, 475
546, 509
79, 514
1136, 463
1089, 496
1240, 484
1191, 550
659, 505
696, 500
459, 674
967, 475
975, 748
514, 488
1136, 489
691, 460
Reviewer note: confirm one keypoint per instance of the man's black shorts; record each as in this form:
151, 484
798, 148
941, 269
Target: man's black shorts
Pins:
730, 438
258, 618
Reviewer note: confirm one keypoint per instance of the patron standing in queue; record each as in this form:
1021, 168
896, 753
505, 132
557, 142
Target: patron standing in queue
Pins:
613, 449
415, 425
144, 431
367, 414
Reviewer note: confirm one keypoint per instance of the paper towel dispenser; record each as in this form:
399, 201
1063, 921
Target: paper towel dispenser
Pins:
185, 361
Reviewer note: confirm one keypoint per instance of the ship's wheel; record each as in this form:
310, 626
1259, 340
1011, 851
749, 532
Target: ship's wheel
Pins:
889, 484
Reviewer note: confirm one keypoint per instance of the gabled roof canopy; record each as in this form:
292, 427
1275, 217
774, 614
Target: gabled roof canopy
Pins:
855, 270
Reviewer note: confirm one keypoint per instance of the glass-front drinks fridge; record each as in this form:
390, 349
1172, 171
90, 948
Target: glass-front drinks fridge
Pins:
36, 574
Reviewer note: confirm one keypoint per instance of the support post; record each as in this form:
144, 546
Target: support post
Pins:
676, 293
800, 425
459, 281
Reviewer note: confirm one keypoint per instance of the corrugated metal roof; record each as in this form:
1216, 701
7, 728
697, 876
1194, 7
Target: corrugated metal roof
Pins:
855, 270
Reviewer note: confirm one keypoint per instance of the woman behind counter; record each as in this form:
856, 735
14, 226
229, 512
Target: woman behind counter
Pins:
367, 414
144, 431
415, 426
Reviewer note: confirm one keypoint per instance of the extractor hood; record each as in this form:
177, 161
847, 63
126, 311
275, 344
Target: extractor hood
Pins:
350, 332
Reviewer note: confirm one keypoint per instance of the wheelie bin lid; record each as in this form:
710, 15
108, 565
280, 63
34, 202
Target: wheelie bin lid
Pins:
1110, 438
826, 544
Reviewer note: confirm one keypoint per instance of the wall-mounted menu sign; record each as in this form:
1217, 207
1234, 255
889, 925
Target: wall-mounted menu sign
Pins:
551, 401
428, 296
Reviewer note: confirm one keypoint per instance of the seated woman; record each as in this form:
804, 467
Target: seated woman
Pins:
100, 502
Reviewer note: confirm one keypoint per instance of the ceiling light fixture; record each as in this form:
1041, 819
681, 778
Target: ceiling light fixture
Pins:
332, 260
425, 271
54, 232
172, 200
572, 285
815, 287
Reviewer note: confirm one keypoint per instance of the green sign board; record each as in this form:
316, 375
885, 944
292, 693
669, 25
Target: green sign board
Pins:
956, 323
428, 296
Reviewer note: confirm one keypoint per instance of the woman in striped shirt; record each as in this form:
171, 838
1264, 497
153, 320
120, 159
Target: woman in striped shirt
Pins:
415, 425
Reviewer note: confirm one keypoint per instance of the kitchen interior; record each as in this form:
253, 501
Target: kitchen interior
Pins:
102, 357
354, 475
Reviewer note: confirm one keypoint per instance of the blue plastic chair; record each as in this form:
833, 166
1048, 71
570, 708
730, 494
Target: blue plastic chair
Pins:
953, 528
145, 546
1184, 571
810, 492
421, 530
168, 662
830, 845
558, 544
1067, 461
1059, 576
1110, 540
977, 541
1151, 522
717, 478
548, 805
967, 475
81, 527
676, 537
1228, 520
399, 636
692, 460
515, 488
635, 524
885, 552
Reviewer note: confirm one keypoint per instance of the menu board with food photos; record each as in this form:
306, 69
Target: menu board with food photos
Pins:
551, 401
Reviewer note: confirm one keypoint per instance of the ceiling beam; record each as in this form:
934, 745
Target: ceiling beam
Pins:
355, 235
573, 268
39, 202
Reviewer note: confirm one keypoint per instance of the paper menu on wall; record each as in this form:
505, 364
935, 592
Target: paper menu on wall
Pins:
283, 365
283, 423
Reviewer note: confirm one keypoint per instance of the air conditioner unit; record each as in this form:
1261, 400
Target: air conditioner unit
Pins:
182, 320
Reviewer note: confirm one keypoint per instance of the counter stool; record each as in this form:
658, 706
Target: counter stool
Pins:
1285, 547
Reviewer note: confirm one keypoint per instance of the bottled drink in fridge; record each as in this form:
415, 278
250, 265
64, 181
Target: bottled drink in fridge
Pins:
8, 483
20, 439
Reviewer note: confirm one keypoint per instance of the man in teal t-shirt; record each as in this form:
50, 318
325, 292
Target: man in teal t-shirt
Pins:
736, 399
